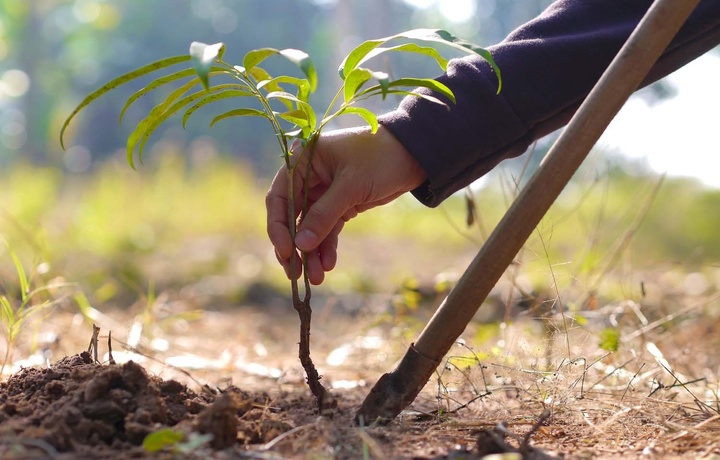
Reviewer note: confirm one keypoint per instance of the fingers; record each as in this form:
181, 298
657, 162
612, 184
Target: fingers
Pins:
351, 171
315, 271
318, 262
322, 254
333, 208
325, 257
287, 265
277, 216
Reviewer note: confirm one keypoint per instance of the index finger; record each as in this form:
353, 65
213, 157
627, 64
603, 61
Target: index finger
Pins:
276, 204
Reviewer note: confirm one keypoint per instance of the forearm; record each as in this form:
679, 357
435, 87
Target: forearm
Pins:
548, 67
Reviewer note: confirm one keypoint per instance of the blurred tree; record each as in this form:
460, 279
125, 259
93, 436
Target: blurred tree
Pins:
54, 51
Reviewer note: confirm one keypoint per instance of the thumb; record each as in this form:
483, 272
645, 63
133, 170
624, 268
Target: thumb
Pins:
322, 217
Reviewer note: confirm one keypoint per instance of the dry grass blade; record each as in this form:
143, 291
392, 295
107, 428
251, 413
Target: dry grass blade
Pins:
613, 255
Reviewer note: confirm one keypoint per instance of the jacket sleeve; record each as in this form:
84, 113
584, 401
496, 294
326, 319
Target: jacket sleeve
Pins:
548, 66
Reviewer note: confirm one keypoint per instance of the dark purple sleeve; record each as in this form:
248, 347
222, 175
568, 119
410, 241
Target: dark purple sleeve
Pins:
548, 67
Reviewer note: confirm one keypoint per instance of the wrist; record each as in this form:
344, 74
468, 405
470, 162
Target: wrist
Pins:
413, 174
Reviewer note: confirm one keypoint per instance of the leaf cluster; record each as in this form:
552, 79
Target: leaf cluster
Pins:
283, 100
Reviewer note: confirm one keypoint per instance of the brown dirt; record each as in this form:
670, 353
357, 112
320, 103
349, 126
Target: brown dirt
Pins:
78, 408
607, 406
81, 409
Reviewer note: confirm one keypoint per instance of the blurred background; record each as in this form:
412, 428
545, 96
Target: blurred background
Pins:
189, 223
173, 258
54, 52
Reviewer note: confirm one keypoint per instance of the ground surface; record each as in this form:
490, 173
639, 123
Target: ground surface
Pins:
221, 375
175, 263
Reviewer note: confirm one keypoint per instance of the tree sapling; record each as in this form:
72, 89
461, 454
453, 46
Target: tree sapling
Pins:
284, 102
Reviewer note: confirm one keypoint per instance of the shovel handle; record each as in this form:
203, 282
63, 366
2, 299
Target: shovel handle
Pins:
620, 80
622, 77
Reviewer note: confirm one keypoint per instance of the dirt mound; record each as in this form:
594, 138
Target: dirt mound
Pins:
80, 409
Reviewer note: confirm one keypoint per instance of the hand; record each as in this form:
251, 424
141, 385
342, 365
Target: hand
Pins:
352, 171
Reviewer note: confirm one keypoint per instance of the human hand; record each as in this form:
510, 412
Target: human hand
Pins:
352, 171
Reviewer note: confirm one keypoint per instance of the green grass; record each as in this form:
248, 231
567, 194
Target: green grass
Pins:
197, 234
116, 230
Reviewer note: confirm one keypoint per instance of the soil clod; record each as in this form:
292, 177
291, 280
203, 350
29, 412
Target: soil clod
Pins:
79, 408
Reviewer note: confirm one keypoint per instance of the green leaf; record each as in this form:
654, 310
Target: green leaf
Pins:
165, 110
302, 105
203, 57
160, 439
610, 339
276, 81
297, 117
22, 277
353, 59
284, 95
208, 99
357, 79
259, 74
255, 57
409, 48
273, 84
143, 124
425, 83
155, 84
302, 60
366, 114
298, 57
7, 311
377, 90
121, 80
163, 81
172, 110
361, 52
414, 83
354, 81
240, 113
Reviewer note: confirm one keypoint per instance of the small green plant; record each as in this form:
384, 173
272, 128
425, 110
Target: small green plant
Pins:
284, 101
175, 441
17, 308
609, 339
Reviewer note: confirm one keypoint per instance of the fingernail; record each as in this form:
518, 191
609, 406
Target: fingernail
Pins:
305, 240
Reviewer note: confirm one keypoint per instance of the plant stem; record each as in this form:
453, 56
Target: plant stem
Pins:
5, 359
324, 399
302, 306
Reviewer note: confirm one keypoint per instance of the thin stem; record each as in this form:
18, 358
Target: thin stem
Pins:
302, 306
279, 132
324, 398
6, 358
330, 106
292, 227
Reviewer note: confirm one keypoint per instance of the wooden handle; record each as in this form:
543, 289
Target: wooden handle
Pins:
622, 77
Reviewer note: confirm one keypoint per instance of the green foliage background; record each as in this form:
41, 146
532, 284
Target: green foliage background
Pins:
109, 227
69, 47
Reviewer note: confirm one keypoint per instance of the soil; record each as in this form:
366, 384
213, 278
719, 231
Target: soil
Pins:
608, 406
82, 409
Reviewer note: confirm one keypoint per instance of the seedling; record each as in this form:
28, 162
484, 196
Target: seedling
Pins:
175, 441
284, 101
16, 308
